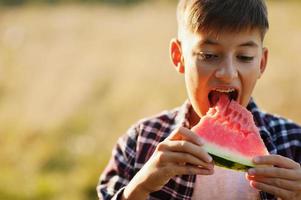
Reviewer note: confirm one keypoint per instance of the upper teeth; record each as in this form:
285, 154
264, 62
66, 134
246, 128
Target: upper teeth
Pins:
225, 90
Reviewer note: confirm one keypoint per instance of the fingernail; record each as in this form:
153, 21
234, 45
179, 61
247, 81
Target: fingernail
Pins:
209, 158
251, 171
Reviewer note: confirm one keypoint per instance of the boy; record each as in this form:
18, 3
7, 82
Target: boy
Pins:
218, 49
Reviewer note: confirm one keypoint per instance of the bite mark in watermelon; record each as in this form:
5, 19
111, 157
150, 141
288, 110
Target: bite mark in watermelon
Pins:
230, 135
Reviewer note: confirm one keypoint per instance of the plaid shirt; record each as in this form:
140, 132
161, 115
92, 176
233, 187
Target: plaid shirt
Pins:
280, 136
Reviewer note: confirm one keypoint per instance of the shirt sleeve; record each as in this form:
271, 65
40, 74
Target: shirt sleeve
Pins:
120, 168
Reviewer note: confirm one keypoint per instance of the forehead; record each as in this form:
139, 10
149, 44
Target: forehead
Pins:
248, 38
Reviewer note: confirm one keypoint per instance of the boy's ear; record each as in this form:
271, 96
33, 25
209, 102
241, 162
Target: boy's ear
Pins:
264, 60
176, 55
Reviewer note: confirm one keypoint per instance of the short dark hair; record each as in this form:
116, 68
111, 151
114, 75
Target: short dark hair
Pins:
219, 15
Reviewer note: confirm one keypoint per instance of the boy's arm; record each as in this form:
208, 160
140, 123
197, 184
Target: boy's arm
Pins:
119, 170
181, 153
283, 180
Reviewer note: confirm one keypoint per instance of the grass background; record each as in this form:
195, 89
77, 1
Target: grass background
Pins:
74, 77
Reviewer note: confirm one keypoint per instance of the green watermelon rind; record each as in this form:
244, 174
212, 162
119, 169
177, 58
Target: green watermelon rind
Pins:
227, 158
221, 162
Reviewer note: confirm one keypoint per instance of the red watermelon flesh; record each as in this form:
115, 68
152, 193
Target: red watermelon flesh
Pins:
230, 134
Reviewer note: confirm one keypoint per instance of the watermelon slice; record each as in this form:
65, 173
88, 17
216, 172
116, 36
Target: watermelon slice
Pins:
230, 135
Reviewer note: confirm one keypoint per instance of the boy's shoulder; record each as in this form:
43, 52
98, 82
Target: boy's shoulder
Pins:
166, 119
283, 131
160, 125
143, 137
280, 122
273, 122
279, 125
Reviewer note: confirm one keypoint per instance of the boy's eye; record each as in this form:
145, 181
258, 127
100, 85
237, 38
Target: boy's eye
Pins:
207, 56
245, 58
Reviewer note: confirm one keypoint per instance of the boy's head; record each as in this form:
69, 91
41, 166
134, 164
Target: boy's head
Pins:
219, 49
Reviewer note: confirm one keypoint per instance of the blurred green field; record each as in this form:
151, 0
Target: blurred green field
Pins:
74, 77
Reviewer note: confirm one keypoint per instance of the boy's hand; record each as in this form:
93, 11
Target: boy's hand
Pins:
181, 153
283, 180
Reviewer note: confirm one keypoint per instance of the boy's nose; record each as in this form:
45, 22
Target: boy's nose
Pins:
227, 71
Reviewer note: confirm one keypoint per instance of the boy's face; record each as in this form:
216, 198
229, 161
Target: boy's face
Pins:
227, 63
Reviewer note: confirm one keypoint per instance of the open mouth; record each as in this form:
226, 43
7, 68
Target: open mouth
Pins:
215, 94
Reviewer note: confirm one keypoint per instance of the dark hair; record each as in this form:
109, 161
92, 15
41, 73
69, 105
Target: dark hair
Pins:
219, 15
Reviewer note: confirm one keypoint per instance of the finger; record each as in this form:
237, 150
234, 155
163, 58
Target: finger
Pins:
178, 157
280, 183
187, 147
276, 160
279, 192
190, 170
183, 133
275, 172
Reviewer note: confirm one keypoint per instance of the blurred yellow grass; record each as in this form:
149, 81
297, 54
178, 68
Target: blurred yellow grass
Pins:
73, 78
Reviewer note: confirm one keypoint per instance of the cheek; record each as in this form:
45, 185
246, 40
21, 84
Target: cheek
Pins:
197, 79
192, 81
197, 76
249, 76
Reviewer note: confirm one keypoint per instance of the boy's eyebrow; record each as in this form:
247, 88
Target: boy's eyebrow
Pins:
208, 41
249, 44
